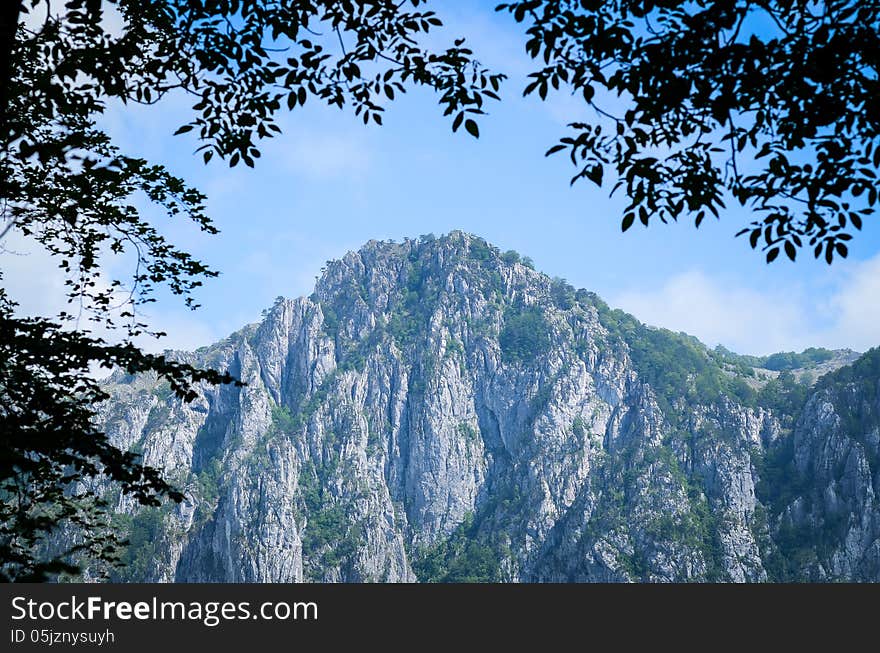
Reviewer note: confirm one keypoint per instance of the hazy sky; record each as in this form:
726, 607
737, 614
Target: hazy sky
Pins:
329, 184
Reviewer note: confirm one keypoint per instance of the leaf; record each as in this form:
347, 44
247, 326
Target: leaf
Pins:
472, 128
183, 130
628, 220
554, 150
772, 254
790, 251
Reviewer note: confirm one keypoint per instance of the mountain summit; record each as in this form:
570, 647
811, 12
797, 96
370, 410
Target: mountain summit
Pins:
437, 410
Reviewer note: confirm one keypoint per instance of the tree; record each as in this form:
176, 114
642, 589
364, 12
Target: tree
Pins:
65, 187
774, 102
52, 451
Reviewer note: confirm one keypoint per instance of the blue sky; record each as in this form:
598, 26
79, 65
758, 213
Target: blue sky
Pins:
329, 184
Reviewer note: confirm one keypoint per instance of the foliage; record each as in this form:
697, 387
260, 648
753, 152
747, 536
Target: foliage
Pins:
282, 421
145, 532
784, 394
208, 485
331, 320
742, 362
525, 334
692, 524
511, 257
329, 537
798, 547
67, 189
778, 362
480, 250
51, 444
677, 366
790, 360
226, 54
773, 103
864, 371
454, 347
778, 480
853, 390
413, 307
468, 432
460, 558
793, 550
563, 293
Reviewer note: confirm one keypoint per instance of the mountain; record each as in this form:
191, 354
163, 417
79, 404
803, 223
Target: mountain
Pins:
437, 410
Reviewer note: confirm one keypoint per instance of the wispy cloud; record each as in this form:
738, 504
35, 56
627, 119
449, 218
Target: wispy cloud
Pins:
760, 321
185, 332
857, 305
325, 156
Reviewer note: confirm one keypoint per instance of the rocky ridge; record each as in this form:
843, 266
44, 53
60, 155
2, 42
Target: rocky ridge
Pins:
437, 410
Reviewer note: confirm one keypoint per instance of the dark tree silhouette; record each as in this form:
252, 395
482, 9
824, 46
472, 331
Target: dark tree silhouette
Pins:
66, 188
773, 102
51, 447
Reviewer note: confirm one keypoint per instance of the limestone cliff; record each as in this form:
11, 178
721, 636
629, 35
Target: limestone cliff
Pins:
438, 410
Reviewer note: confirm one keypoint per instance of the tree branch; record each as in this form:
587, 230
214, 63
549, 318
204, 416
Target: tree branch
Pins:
10, 12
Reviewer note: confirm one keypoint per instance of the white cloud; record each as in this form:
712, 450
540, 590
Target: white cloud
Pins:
857, 305
758, 321
322, 156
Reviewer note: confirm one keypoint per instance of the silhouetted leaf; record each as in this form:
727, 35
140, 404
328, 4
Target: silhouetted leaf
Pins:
681, 73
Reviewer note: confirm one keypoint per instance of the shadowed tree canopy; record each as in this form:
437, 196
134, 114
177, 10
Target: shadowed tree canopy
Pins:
774, 103
66, 188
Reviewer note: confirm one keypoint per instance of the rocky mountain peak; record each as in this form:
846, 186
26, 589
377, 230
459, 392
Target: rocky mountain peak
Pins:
438, 410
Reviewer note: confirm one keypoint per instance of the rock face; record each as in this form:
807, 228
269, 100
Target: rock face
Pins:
439, 411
